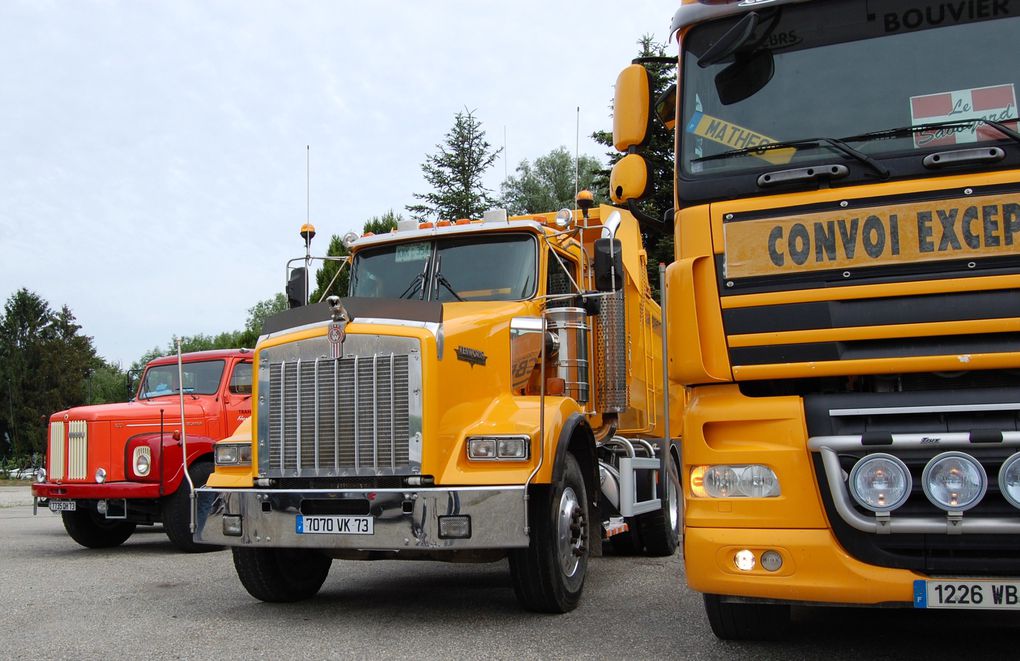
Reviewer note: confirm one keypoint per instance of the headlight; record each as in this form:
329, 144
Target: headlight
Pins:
233, 454
1009, 480
499, 448
100, 475
954, 481
40, 475
141, 460
734, 481
880, 482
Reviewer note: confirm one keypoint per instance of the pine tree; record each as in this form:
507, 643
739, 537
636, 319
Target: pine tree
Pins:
455, 173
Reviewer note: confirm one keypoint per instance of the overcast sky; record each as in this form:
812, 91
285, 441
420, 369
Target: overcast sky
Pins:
152, 154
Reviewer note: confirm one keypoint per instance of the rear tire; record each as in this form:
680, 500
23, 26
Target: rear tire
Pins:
548, 576
738, 621
281, 575
92, 531
661, 530
177, 511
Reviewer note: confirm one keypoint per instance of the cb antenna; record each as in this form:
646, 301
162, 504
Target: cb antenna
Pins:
308, 230
577, 152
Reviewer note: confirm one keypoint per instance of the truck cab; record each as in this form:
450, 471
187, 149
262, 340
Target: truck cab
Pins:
490, 389
112, 467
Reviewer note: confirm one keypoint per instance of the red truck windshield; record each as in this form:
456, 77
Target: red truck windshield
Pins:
201, 378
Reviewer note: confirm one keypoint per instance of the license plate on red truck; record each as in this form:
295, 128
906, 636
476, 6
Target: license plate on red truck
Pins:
63, 505
968, 594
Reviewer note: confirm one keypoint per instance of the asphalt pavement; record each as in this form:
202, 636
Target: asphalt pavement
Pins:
144, 599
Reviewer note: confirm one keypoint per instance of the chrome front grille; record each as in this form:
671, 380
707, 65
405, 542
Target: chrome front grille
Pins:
359, 415
56, 451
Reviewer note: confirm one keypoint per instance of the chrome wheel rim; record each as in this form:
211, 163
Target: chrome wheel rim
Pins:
570, 532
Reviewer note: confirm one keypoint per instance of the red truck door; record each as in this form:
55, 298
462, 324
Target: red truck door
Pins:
237, 398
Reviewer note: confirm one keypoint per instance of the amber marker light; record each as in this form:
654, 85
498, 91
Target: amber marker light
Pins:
698, 482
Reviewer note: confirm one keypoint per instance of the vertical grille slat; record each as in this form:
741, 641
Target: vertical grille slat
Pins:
341, 417
56, 451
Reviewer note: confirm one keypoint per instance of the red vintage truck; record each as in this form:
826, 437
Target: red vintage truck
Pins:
112, 467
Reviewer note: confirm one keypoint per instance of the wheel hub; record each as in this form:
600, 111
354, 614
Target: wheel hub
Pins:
572, 532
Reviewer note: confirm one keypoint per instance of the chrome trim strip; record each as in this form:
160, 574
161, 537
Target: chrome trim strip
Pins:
931, 440
315, 433
297, 436
494, 512
951, 524
948, 408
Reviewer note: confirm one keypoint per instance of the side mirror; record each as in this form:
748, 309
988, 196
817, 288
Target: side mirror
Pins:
608, 265
631, 108
745, 77
628, 179
297, 285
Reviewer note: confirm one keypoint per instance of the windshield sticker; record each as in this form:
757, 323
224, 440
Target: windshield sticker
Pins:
996, 103
737, 137
413, 252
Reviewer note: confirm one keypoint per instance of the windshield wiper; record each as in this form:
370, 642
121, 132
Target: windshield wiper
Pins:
838, 145
418, 284
903, 131
441, 279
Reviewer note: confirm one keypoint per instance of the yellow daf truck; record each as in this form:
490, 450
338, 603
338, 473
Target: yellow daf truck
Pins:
844, 307
491, 388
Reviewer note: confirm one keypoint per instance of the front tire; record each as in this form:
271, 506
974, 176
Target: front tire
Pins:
740, 621
661, 530
92, 531
281, 575
177, 511
548, 576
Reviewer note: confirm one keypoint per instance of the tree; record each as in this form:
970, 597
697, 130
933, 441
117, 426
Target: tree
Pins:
376, 225
549, 184
455, 173
257, 315
44, 364
660, 156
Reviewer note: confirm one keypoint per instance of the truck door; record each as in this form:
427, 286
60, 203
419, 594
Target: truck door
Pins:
237, 398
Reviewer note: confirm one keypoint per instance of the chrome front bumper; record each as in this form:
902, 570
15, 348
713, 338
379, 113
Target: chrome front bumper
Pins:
402, 518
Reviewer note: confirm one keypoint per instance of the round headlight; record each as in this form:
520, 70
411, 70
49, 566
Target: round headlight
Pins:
880, 482
1009, 480
100, 475
142, 465
40, 475
954, 481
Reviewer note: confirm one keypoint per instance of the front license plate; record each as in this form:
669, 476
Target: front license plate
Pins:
63, 506
995, 595
335, 525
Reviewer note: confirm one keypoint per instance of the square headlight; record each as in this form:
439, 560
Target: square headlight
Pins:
233, 454
499, 448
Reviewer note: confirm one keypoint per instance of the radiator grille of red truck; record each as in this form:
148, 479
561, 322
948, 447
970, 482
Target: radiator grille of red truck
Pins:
353, 416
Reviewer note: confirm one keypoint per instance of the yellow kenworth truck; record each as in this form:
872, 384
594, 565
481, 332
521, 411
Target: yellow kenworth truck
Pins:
491, 388
844, 307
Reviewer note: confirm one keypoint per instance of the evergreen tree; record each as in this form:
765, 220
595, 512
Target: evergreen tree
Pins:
658, 151
548, 185
455, 173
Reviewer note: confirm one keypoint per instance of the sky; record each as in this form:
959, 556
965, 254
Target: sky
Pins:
153, 154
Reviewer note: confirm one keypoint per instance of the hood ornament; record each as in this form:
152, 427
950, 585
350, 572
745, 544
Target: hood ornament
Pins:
337, 333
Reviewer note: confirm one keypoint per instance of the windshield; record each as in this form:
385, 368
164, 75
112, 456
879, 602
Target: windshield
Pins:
199, 378
843, 68
467, 268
